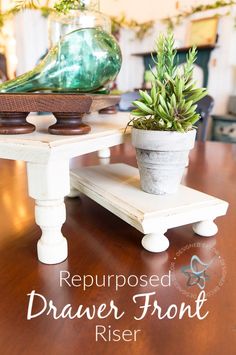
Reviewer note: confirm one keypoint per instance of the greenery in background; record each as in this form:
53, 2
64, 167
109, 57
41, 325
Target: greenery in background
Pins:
21, 5
141, 29
65, 6
171, 104
118, 22
174, 21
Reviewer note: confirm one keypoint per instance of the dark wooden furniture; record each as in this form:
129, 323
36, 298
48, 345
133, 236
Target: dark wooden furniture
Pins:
224, 128
204, 53
204, 108
126, 101
93, 251
68, 109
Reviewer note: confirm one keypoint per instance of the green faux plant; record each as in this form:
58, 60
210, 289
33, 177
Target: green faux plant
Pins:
171, 103
66, 5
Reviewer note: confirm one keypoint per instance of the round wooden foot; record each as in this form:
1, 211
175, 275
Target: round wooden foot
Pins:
111, 110
52, 254
69, 123
104, 153
205, 228
15, 123
73, 193
155, 242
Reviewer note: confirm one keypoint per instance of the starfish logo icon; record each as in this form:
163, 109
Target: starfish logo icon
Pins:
196, 272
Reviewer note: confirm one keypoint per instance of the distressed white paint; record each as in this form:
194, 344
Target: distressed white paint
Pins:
155, 242
205, 228
47, 158
41, 147
116, 187
48, 184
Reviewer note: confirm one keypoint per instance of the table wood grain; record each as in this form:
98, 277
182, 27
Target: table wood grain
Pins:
100, 243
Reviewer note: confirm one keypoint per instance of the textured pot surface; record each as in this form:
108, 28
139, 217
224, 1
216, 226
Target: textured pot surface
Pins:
163, 140
162, 157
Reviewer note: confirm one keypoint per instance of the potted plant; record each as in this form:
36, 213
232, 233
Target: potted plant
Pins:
163, 130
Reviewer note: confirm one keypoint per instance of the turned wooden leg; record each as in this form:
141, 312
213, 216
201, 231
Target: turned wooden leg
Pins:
155, 242
48, 184
104, 153
50, 216
15, 123
205, 228
69, 123
73, 193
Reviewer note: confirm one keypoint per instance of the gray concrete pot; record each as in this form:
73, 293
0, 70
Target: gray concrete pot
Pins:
162, 157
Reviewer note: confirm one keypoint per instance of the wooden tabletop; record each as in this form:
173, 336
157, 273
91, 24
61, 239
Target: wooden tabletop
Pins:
102, 244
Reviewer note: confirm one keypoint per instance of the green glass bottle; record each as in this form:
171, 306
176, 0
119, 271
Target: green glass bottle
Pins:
86, 15
83, 60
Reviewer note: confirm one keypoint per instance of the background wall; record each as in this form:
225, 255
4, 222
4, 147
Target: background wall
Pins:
148, 9
222, 81
30, 36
